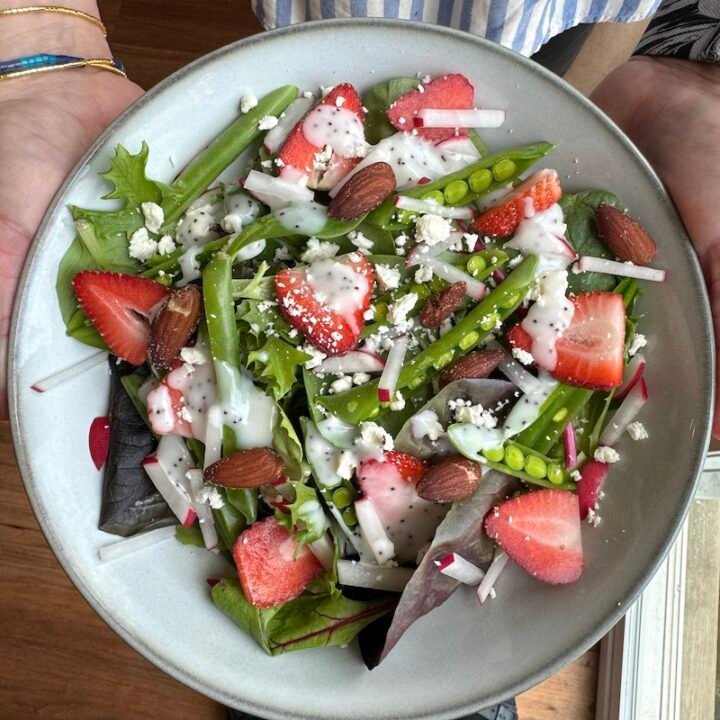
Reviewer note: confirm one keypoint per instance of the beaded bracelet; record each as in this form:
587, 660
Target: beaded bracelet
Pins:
43, 62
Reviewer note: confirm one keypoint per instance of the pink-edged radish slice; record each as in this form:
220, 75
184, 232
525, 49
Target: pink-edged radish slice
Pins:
175, 495
70, 372
351, 362
570, 446
460, 569
203, 509
498, 276
364, 575
373, 531
520, 377
276, 192
633, 372
134, 544
422, 251
286, 122
462, 145
625, 414
403, 202
485, 588
212, 582
324, 550
589, 486
474, 118
612, 267
473, 287
99, 440
391, 371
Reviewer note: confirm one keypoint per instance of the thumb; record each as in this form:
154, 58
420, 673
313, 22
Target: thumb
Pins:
711, 265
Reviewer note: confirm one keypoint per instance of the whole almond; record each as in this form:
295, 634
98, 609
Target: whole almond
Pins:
442, 305
625, 237
363, 192
174, 324
246, 469
477, 364
453, 478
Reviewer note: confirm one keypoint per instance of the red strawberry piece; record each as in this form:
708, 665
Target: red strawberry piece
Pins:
589, 487
271, 568
590, 353
299, 153
450, 92
389, 484
165, 405
540, 531
326, 300
537, 193
118, 306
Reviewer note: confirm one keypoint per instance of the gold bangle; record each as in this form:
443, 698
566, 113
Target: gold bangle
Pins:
100, 63
56, 9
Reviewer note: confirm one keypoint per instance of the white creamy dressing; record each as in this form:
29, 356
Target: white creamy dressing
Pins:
240, 210
313, 513
160, 410
323, 457
491, 199
476, 439
197, 385
250, 251
337, 431
213, 435
543, 234
549, 318
189, 265
527, 409
337, 127
174, 458
306, 218
199, 224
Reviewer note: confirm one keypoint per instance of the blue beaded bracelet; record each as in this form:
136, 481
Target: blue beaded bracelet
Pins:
43, 62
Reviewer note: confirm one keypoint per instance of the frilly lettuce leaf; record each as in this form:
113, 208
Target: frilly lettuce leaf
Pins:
307, 518
276, 364
130, 182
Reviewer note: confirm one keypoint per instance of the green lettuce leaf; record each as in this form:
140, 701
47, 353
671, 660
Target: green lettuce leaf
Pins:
255, 318
377, 101
258, 287
130, 183
305, 510
287, 443
276, 364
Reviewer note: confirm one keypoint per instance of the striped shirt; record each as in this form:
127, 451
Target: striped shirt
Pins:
522, 25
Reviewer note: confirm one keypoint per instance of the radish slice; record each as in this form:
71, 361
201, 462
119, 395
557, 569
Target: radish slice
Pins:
485, 589
476, 118
633, 372
428, 208
99, 440
358, 574
71, 372
203, 510
324, 550
474, 288
611, 267
175, 495
422, 251
592, 479
276, 192
570, 446
352, 362
458, 568
392, 369
625, 414
135, 543
498, 276
519, 376
373, 531
286, 122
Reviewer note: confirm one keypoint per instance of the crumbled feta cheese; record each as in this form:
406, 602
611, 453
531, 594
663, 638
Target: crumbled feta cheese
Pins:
373, 435
266, 164
362, 243
637, 431
445, 327
523, 356
282, 253
401, 240
347, 462
247, 103
211, 496
268, 122
476, 415
308, 95
605, 454
423, 274
575, 475
232, 223
514, 262
638, 343
279, 162
425, 79
470, 240
397, 311
398, 402
316, 356
360, 378
316, 250
154, 216
142, 246
432, 229
426, 424
369, 314
339, 101
165, 245
322, 158
593, 518
341, 384
185, 414
193, 356
388, 277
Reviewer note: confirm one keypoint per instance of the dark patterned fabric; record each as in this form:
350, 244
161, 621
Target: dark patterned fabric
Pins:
687, 29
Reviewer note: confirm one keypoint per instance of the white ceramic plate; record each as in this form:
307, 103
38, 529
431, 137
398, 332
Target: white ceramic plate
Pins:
462, 656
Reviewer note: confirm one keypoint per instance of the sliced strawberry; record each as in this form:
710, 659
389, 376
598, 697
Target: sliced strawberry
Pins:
118, 306
450, 92
299, 153
326, 300
590, 353
165, 406
540, 531
271, 568
537, 193
389, 484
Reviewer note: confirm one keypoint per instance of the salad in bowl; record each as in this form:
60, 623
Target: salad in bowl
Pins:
380, 365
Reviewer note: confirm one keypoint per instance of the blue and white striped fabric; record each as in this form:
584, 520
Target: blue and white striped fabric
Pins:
522, 25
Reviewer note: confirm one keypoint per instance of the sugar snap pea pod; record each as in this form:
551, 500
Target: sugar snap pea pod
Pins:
223, 150
523, 158
360, 403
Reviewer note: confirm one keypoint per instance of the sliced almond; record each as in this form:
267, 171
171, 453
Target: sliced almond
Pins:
246, 469
363, 192
477, 364
452, 479
625, 237
442, 305
174, 325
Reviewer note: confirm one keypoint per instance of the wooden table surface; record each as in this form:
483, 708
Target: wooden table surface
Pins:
57, 658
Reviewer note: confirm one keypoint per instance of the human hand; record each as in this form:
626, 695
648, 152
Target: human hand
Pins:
47, 122
671, 110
